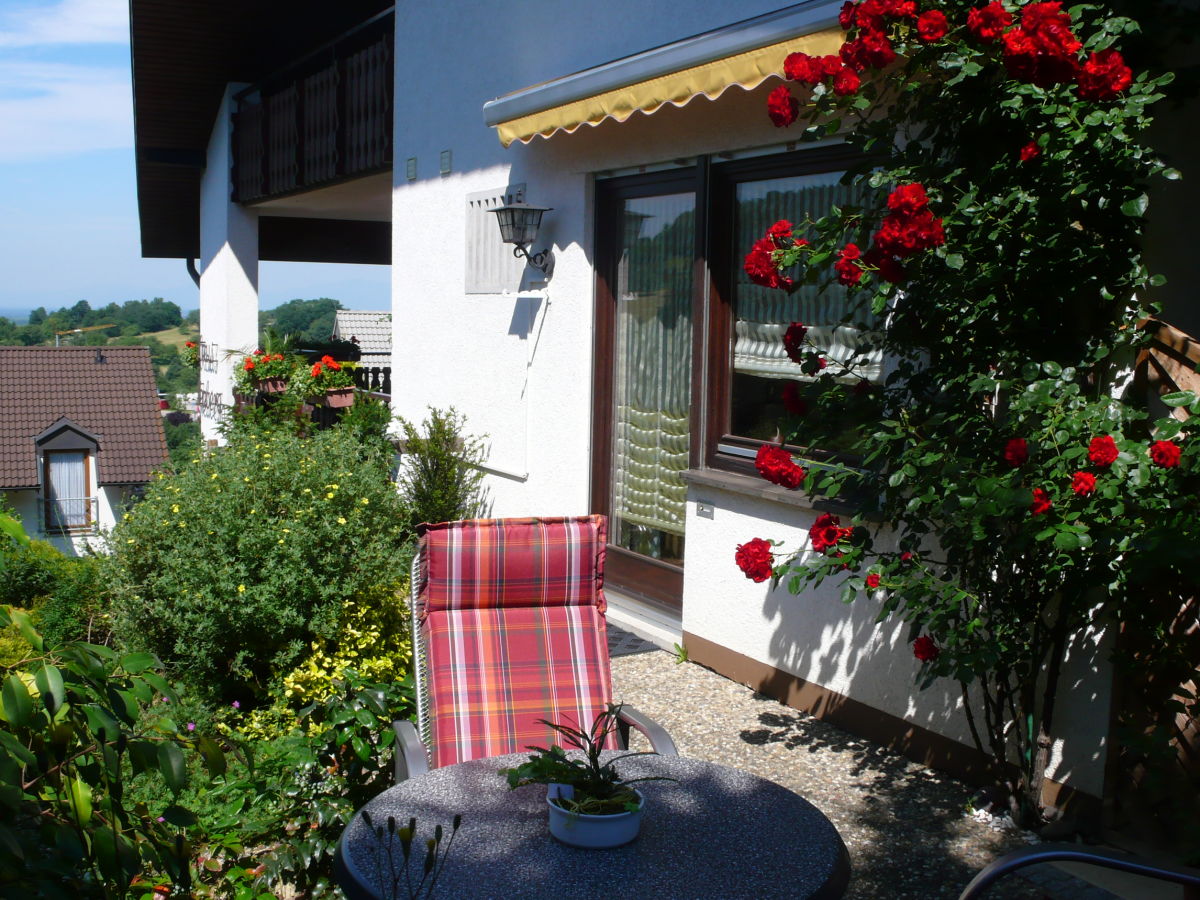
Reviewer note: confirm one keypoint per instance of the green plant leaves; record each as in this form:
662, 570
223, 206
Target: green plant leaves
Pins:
138, 662
172, 766
1137, 206
49, 683
15, 702
80, 794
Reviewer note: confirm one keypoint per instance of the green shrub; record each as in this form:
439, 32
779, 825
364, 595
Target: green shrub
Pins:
229, 569
78, 725
31, 572
76, 608
440, 476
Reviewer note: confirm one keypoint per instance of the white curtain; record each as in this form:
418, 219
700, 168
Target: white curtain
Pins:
66, 489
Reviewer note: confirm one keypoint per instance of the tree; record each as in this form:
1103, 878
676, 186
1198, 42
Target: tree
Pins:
1027, 503
308, 320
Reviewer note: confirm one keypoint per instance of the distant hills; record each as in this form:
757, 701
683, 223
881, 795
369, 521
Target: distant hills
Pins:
17, 316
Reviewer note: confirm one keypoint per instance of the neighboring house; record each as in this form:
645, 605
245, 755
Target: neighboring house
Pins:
636, 377
80, 436
371, 331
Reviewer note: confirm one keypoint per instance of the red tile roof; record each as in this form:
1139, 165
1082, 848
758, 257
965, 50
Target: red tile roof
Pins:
116, 400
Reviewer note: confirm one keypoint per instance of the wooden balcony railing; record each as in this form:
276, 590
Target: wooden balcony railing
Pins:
325, 118
376, 379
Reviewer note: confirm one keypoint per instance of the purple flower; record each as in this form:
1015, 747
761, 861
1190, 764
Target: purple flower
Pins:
191, 726
161, 819
236, 704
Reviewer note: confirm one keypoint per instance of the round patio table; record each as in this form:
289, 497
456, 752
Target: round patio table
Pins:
714, 831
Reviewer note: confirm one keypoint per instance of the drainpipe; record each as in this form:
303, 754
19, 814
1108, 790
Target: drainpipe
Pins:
193, 271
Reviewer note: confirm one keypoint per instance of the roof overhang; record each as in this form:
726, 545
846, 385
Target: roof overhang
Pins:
745, 53
184, 53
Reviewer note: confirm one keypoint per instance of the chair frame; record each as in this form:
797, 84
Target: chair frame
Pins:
412, 752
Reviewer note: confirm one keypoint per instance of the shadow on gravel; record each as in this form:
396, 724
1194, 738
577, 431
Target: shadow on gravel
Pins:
906, 819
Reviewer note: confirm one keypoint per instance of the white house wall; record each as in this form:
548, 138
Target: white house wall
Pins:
532, 392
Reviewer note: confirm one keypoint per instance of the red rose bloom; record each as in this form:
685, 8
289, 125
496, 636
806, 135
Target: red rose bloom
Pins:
872, 581
846, 81
1041, 502
932, 26
826, 532
846, 16
1044, 49
803, 68
870, 50
776, 466
793, 342
1030, 151
925, 649
1102, 451
847, 269
989, 23
780, 231
1083, 483
792, 401
760, 266
885, 266
831, 64
906, 557
1016, 452
755, 559
782, 107
908, 199
1103, 76
1165, 454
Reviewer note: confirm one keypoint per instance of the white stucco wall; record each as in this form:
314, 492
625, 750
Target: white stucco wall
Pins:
109, 501
520, 369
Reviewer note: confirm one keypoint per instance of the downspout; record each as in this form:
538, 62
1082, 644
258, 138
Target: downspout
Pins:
193, 271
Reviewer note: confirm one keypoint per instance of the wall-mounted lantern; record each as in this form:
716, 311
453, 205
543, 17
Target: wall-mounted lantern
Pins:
519, 223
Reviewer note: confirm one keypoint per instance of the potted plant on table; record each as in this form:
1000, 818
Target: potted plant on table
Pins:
331, 382
590, 804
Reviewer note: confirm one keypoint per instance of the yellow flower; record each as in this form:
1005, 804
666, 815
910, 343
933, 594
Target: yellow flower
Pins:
174, 507
329, 495
341, 520
129, 540
365, 501
306, 491
241, 589
213, 476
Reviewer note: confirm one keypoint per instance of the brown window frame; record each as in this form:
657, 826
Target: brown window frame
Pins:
716, 264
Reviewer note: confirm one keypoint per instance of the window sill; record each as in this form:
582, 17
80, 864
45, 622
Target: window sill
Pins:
753, 486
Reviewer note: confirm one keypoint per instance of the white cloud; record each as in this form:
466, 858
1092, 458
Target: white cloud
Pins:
64, 22
59, 108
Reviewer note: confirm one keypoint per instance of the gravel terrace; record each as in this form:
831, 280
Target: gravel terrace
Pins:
906, 826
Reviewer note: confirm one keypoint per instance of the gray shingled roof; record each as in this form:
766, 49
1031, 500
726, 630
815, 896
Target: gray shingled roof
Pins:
373, 329
116, 400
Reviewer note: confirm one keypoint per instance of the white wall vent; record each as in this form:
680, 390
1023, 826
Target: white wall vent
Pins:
491, 266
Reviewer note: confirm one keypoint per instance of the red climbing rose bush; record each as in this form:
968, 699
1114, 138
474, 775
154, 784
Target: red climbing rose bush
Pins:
1007, 493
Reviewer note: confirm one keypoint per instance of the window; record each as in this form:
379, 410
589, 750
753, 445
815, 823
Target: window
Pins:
690, 364
67, 491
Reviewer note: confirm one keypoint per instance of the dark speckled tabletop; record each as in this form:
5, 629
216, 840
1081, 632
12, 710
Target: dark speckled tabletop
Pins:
713, 832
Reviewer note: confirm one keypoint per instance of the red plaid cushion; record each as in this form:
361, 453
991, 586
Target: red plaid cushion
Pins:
483, 563
493, 673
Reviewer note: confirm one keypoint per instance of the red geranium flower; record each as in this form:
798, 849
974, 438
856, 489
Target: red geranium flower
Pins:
1041, 502
782, 107
925, 649
847, 270
1016, 452
316, 370
932, 26
1102, 451
1165, 454
989, 23
755, 559
1030, 151
248, 364
1104, 75
872, 581
793, 342
792, 401
1083, 483
776, 465
189, 343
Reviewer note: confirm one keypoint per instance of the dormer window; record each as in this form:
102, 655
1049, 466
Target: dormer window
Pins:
67, 456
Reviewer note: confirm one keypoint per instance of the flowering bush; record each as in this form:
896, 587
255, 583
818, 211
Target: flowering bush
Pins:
1027, 503
261, 366
328, 374
190, 354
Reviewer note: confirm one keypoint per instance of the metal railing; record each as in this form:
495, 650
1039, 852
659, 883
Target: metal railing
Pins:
69, 515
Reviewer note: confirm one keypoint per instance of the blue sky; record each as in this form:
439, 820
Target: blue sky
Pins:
68, 204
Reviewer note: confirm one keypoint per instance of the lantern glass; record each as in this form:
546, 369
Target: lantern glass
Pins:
519, 223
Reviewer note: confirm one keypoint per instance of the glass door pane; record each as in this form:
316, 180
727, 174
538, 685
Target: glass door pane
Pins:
652, 374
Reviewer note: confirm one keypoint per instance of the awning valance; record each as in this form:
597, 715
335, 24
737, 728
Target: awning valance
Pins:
745, 54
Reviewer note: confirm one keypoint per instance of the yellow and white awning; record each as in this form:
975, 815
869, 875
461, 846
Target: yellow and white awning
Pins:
745, 54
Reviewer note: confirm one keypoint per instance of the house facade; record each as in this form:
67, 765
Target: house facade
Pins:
80, 437
635, 375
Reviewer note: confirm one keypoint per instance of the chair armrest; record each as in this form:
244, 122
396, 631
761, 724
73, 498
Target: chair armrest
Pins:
659, 740
411, 758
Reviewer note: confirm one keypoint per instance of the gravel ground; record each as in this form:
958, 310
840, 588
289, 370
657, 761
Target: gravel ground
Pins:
906, 826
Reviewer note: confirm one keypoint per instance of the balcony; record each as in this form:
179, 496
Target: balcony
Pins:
324, 119
69, 515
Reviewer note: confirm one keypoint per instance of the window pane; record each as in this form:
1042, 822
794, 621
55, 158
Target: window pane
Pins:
67, 504
653, 364
761, 367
